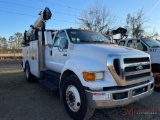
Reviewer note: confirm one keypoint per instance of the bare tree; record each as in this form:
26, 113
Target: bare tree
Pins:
18, 39
135, 23
0, 42
11, 42
14, 42
3, 44
152, 34
97, 17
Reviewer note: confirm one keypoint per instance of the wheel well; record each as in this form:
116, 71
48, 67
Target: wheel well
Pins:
25, 65
155, 67
26, 62
64, 75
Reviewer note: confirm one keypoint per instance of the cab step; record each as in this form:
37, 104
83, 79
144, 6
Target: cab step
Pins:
51, 73
50, 79
49, 85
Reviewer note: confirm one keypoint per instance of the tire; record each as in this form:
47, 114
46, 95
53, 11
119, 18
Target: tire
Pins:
157, 85
157, 89
28, 74
74, 99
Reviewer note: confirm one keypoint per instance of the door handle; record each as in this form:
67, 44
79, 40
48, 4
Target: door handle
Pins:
64, 54
50, 53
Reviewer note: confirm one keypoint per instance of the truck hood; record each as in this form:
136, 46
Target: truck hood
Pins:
107, 48
96, 55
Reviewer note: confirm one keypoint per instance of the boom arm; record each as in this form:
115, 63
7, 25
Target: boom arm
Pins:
120, 30
38, 25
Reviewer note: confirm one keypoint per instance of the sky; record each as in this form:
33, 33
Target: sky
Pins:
18, 15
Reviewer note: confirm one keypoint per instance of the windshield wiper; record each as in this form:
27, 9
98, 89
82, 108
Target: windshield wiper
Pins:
86, 41
100, 42
155, 46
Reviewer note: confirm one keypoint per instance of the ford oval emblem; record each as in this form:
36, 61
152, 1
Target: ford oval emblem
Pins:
139, 67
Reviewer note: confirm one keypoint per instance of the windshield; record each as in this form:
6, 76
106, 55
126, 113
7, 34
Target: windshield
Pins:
151, 43
86, 36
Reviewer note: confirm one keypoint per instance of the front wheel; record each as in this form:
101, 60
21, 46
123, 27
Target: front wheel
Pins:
74, 99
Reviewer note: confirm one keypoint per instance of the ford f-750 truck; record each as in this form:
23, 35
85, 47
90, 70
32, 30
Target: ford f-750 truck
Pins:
89, 72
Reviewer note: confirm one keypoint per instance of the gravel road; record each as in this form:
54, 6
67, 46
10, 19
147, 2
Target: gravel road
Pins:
20, 100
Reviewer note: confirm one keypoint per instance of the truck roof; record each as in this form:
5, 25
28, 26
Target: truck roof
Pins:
54, 30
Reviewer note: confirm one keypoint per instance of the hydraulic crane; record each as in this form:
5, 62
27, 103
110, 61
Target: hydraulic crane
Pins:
39, 24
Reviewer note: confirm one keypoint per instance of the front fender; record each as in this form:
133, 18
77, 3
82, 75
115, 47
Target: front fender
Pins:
80, 64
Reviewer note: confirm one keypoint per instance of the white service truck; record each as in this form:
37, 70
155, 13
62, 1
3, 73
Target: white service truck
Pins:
148, 45
89, 72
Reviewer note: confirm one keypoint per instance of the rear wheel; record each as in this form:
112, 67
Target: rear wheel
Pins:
74, 99
29, 76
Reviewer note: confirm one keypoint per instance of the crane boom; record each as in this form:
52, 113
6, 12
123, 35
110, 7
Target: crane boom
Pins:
39, 24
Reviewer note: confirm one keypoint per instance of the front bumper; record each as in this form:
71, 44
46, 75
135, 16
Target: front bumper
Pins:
108, 99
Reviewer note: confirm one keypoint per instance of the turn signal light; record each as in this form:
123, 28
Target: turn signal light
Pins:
90, 77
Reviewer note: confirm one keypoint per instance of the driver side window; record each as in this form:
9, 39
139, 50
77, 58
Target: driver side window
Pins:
56, 41
61, 40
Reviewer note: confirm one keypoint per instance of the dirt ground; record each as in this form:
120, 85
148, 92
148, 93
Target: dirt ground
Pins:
20, 100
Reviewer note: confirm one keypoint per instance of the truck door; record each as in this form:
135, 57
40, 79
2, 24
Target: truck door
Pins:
59, 51
48, 48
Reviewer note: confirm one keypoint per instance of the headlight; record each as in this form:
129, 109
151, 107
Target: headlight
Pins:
99, 75
93, 76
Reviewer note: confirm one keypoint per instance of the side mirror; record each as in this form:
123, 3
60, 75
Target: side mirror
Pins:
26, 37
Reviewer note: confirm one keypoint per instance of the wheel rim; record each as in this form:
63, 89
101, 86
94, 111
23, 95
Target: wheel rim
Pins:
73, 98
27, 73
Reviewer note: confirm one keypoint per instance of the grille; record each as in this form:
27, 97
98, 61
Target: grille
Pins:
133, 68
136, 68
135, 60
129, 69
138, 76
